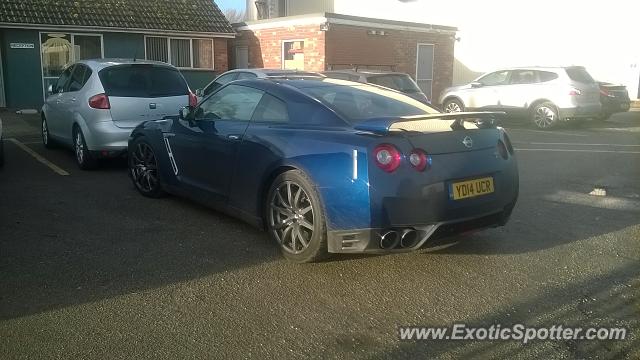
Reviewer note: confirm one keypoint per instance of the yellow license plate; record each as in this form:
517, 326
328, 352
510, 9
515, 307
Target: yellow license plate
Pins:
472, 188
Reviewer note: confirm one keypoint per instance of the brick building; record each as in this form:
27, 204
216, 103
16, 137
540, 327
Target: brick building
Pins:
326, 41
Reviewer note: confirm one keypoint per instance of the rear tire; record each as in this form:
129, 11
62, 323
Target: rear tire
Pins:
295, 218
46, 138
84, 158
144, 170
453, 105
545, 116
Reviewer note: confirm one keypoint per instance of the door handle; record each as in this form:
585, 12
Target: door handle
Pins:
233, 137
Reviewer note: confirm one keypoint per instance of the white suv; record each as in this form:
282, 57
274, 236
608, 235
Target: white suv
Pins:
546, 95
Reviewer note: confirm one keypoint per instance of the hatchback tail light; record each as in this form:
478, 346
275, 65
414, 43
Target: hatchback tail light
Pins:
193, 99
100, 101
387, 157
575, 92
419, 159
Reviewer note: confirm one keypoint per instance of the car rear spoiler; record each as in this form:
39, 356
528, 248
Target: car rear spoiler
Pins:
382, 125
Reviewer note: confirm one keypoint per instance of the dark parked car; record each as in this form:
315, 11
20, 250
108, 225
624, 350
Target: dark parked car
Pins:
331, 166
614, 99
393, 80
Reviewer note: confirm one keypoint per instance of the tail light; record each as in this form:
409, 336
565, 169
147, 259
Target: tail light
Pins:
507, 142
387, 157
574, 92
193, 99
502, 149
100, 101
419, 159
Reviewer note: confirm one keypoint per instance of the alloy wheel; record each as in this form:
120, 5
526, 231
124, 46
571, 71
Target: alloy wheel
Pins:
45, 133
452, 107
79, 147
144, 168
544, 117
291, 217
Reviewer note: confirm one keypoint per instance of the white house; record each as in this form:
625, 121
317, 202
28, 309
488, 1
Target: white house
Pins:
503, 33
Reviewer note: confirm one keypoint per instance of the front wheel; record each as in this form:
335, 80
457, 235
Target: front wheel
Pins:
46, 138
545, 116
295, 218
143, 169
453, 106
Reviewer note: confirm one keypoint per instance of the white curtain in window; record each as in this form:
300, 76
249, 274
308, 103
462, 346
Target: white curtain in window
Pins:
181, 52
203, 53
157, 49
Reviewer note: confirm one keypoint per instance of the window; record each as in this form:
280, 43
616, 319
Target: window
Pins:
397, 82
231, 103
547, 76
222, 80
78, 77
58, 50
524, 77
579, 74
143, 80
62, 81
293, 55
246, 75
180, 52
364, 101
496, 78
271, 109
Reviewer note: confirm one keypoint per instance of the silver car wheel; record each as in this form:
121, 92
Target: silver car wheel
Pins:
45, 133
544, 117
452, 107
79, 145
291, 217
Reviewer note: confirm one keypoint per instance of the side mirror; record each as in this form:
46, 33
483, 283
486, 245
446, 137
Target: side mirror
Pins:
476, 84
199, 93
50, 89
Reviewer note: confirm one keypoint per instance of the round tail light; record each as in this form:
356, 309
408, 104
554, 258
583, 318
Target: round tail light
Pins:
387, 157
419, 159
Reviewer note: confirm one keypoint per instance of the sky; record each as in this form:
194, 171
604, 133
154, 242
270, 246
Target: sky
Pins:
231, 4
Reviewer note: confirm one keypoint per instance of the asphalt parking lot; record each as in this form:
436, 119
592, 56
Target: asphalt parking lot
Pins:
91, 269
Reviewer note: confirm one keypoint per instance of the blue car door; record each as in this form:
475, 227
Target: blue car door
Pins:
205, 147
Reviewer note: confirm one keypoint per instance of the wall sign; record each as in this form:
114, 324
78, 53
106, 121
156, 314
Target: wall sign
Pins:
22, 45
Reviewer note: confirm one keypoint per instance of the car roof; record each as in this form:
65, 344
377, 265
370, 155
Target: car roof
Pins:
99, 64
364, 72
266, 72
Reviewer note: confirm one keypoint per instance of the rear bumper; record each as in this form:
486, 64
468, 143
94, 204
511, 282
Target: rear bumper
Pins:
370, 241
612, 106
106, 136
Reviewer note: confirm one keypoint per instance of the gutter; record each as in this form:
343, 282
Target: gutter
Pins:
117, 30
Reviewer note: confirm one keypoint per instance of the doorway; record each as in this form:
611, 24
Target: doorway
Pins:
424, 68
242, 57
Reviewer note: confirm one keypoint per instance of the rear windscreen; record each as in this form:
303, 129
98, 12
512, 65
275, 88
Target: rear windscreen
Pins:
143, 80
579, 74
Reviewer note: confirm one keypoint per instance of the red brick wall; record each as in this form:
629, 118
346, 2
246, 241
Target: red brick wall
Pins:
221, 61
265, 46
352, 45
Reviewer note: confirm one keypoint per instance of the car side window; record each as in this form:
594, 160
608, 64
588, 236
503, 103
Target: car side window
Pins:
495, 78
545, 76
77, 78
62, 81
271, 109
246, 75
233, 102
524, 77
222, 80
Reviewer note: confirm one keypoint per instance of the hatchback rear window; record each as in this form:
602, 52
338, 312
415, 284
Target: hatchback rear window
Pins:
144, 80
547, 76
579, 74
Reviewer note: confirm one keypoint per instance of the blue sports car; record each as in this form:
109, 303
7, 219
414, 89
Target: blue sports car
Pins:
331, 166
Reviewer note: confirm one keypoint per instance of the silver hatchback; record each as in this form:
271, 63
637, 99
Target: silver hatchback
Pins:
545, 95
96, 103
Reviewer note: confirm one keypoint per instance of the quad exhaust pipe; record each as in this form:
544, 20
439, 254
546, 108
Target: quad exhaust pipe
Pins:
389, 240
406, 238
409, 238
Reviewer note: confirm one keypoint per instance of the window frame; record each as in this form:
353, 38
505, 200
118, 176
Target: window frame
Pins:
282, 54
168, 40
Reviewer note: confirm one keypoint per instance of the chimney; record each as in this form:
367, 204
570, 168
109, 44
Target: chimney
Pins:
251, 10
